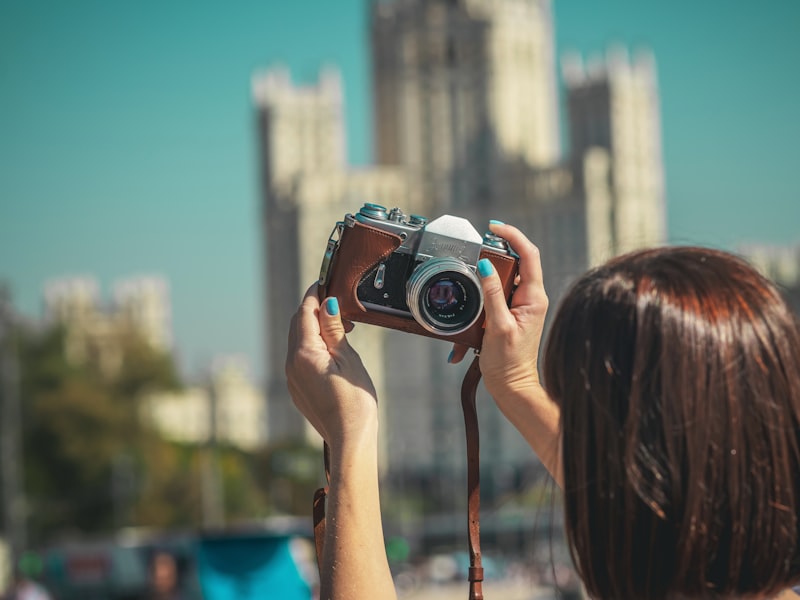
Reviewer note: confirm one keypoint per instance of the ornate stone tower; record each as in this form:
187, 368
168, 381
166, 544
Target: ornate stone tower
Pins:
614, 105
301, 135
306, 189
461, 86
466, 122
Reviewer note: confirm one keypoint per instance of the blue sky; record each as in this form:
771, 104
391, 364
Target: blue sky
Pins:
127, 143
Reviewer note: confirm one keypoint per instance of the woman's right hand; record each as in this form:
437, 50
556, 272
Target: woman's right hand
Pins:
509, 354
513, 334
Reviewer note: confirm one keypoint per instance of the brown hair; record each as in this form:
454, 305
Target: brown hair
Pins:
677, 371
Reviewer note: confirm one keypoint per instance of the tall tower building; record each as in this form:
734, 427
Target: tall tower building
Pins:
781, 264
143, 306
466, 122
460, 87
72, 299
94, 330
307, 188
613, 104
300, 134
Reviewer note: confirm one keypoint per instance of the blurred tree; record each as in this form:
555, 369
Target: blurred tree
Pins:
70, 433
168, 487
78, 422
143, 369
93, 465
243, 499
289, 474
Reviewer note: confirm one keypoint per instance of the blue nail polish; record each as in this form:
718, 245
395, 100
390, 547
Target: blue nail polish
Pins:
332, 306
493, 222
485, 267
450, 356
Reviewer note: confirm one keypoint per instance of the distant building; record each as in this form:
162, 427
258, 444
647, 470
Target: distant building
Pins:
94, 329
307, 188
142, 303
228, 407
781, 264
466, 122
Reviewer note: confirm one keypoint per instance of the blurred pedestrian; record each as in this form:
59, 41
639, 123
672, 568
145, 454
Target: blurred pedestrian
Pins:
164, 581
26, 586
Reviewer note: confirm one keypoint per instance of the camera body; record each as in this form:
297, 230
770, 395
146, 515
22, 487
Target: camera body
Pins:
405, 273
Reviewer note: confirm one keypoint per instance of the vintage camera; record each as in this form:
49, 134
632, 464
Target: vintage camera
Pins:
405, 273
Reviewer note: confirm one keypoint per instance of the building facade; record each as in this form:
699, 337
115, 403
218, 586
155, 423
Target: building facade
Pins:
466, 122
781, 264
94, 328
228, 409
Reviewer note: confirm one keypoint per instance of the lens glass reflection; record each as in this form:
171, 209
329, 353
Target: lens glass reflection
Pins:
450, 301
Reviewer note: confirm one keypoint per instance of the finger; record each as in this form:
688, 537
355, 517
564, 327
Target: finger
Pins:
348, 325
457, 354
531, 284
494, 297
307, 323
292, 344
331, 326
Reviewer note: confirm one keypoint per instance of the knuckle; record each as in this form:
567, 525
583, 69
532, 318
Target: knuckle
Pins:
507, 328
544, 301
333, 326
493, 289
503, 327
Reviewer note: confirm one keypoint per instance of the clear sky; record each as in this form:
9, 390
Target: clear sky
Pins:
127, 139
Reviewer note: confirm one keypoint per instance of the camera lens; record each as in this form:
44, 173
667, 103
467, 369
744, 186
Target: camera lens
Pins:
444, 295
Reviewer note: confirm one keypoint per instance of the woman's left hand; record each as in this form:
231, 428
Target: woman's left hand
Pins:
331, 387
327, 380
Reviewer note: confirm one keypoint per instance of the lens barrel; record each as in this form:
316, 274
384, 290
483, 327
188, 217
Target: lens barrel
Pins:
444, 295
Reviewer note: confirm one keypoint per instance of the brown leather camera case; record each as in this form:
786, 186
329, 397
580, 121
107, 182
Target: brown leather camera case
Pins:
361, 248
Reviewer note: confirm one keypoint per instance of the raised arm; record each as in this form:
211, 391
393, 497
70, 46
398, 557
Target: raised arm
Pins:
510, 350
330, 386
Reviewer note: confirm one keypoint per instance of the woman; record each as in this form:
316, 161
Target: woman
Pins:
673, 388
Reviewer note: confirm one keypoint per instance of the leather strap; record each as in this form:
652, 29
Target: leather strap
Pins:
320, 496
468, 392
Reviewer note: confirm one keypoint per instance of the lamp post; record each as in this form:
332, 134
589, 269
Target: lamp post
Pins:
14, 517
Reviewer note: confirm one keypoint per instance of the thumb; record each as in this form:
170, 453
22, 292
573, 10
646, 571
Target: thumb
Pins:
331, 327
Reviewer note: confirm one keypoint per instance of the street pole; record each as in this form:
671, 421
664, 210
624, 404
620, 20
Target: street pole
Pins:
212, 494
11, 433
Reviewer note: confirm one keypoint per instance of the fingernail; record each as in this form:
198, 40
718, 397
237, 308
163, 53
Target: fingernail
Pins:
493, 222
332, 306
485, 267
450, 356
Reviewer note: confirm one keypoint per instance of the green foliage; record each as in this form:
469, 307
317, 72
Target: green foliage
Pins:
93, 465
144, 369
168, 489
78, 422
289, 474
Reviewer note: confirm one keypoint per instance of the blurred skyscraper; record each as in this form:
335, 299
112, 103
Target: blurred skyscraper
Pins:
93, 329
227, 407
781, 264
466, 122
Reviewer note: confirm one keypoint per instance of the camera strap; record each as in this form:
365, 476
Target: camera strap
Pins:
469, 388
